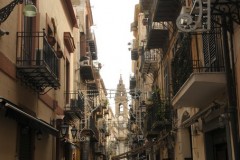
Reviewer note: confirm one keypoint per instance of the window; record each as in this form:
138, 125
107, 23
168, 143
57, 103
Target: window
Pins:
67, 81
121, 108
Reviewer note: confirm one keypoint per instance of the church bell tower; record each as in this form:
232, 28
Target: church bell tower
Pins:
121, 101
121, 114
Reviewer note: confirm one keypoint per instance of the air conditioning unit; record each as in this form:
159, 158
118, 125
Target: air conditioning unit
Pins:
85, 63
39, 56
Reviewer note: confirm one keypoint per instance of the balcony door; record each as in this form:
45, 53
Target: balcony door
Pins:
29, 24
213, 47
26, 141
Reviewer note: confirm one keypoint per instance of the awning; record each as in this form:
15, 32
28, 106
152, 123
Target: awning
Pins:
22, 117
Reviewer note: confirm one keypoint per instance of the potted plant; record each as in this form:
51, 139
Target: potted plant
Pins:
59, 53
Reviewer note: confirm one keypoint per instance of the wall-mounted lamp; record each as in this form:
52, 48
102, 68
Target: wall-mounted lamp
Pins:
2, 33
74, 132
64, 129
29, 10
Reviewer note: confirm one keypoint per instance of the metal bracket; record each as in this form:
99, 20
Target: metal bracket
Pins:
6, 11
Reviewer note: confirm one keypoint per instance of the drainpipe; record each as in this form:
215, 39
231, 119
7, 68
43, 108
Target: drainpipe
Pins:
232, 105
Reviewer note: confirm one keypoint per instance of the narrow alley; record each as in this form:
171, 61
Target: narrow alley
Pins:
119, 80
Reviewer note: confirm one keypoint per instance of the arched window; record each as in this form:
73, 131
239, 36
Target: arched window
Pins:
120, 107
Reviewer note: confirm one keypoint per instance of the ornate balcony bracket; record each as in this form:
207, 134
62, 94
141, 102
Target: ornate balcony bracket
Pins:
231, 8
6, 11
197, 17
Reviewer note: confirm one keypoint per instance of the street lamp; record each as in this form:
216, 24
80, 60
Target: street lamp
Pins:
29, 10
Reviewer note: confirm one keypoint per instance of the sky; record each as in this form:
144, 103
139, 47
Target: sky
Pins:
112, 20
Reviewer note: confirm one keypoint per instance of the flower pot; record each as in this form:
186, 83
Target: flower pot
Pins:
59, 54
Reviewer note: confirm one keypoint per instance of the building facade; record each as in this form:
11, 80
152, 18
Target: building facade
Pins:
33, 60
185, 65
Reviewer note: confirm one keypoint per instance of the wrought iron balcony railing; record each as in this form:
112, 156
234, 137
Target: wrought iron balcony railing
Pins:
158, 118
74, 107
161, 10
145, 5
95, 130
37, 63
157, 35
134, 54
89, 128
149, 61
92, 45
187, 59
86, 68
99, 149
133, 82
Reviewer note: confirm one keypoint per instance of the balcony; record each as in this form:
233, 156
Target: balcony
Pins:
99, 114
197, 81
157, 35
37, 64
92, 88
102, 126
134, 54
149, 62
92, 45
74, 107
133, 82
158, 118
99, 149
93, 127
145, 4
90, 129
103, 104
166, 10
86, 68
134, 26
96, 70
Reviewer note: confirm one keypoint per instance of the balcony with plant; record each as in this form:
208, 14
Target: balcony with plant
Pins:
158, 116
